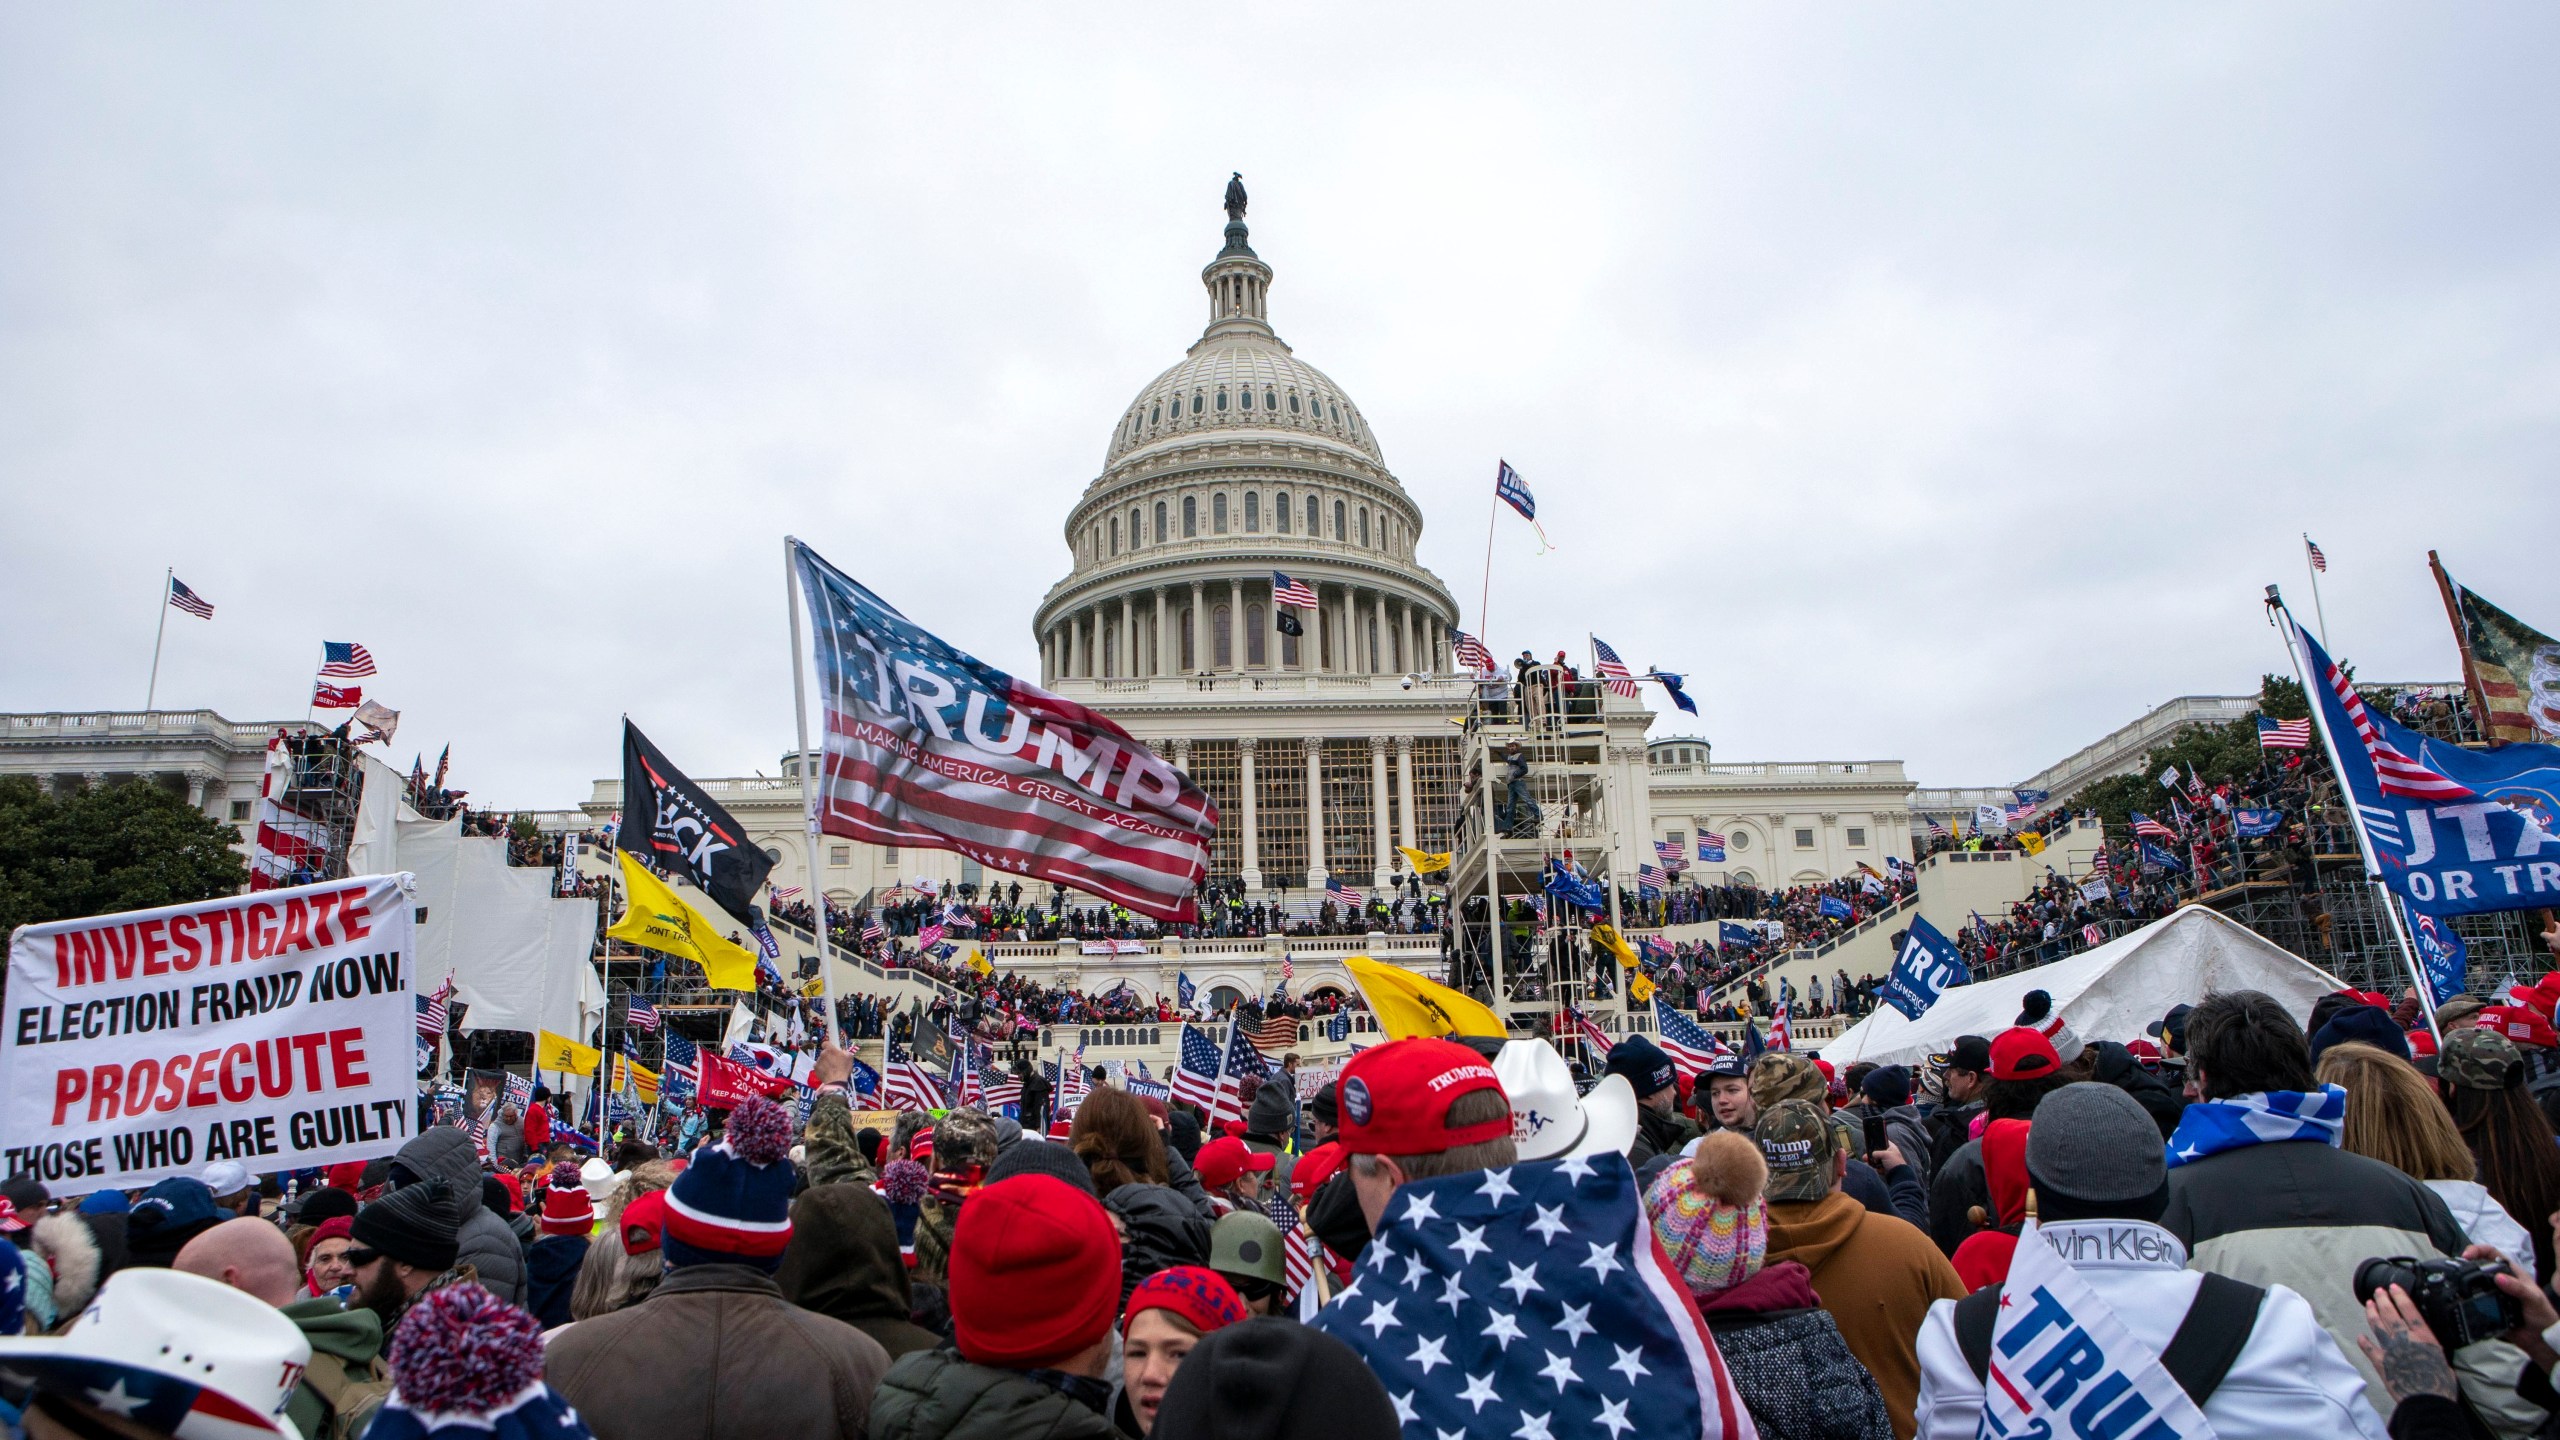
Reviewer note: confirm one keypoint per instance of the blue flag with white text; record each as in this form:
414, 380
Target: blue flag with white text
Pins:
1927, 967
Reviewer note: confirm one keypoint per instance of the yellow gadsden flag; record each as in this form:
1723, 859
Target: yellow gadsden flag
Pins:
2031, 842
1423, 862
1408, 1005
1606, 936
658, 919
1639, 989
978, 961
559, 1052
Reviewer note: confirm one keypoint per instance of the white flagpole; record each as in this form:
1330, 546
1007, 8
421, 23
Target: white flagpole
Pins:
2317, 613
2355, 813
809, 790
169, 577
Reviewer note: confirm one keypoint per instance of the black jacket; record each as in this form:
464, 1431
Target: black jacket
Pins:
1163, 1231
936, 1395
1659, 1133
1950, 1126
2158, 1098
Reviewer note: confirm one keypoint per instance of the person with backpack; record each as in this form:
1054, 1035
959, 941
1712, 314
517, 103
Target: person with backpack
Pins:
2254, 1359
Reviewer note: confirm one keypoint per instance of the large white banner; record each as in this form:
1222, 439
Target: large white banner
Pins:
275, 1028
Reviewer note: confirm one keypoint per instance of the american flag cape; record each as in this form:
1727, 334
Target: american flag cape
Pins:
931, 747
1543, 1293
1780, 1037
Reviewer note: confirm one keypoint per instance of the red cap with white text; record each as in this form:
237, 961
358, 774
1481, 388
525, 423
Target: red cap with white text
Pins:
1395, 1098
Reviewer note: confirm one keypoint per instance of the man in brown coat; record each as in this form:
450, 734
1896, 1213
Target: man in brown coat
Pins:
715, 1352
1877, 1274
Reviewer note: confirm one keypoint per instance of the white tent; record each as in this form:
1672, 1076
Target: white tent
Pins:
2107, 993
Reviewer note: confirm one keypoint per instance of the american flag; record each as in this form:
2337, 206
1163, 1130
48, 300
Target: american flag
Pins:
2319, 561
907, 1085
2145, 825
1277, 1032
1514, 491
345, 659
872, 934
433, 1014
1688, 1044
2393, 770
188, 600
785, 892
2100, 865
1242, 1060
1781, 1037
641, 1015
1297, 1248
1710, 846
964, 1075
681, 1059
1003, 1087
1938, 828
1670, 855
1285, 591
1196, 1077
1650, 877
2284, 734
1613, 669
1470, 653
2093, 934
325, 696
1341, 894
1503, 1278
1591, 1034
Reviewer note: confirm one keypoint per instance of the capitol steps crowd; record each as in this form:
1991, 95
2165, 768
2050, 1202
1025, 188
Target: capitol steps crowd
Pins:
1448, 1238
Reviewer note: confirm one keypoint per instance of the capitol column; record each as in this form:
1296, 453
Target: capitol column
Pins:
1067, 646
1316, 871
1252, 817
1199, 632
1404, 792
1164, 630
1378, 810
1404, 626
1128, 636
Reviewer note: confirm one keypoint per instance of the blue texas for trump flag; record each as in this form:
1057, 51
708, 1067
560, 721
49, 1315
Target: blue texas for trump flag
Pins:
931, 747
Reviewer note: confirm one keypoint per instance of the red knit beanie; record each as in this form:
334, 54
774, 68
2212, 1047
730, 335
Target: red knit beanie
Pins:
1202, 1297
1035, 1273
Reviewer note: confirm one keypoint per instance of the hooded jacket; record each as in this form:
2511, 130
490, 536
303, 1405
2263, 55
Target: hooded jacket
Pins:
346, 1381
551, 1272
1790, 1366
1163, 1231
2290, 1379
1877, 1276
1909, 1132
830, 1155
936, 1395
488, 1246
1660, 1132
843, 1263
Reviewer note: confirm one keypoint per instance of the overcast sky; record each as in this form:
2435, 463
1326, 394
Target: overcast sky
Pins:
1935, 382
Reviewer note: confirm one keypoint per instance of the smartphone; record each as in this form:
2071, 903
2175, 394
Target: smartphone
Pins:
1876, 1138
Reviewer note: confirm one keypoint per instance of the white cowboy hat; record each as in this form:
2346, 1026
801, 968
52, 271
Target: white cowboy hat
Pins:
1548, 1120
173, 1352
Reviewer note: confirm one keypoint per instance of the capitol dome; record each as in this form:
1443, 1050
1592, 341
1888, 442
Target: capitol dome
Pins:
1238, 462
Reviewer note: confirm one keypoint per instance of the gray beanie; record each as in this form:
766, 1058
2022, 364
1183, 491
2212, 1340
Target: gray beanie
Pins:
2095, 1144
1031, 1156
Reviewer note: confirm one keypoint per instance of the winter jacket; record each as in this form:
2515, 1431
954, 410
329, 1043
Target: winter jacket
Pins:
1909, 1131
1950, 1126
2158, 1098
1162, 1231
936, 1395
506, 1144
716, 1353
1186, 1183
1899, 1194
1790, 1366
1660, 1132
537, 1128
551, 1272
488, 1246
1959, 1189
932, 1240
2485, 1220
346, 1380
830, 1155
1876, 1275
2302, 1214
843, 1262
2290, 1379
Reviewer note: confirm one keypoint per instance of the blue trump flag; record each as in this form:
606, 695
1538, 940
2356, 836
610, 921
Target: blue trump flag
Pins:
1575, 890
1835, 907
2442, 954
2159, 859
1671, 686
1734, 932
2453, 831
1928, 966
2030, 799
1188, 992
2254, 823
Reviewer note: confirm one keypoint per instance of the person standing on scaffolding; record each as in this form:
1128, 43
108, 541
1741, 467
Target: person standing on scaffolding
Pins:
1517, 814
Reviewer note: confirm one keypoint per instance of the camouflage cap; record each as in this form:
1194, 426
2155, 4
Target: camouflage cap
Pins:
1786, 1075
1797, 1139
2477, 1059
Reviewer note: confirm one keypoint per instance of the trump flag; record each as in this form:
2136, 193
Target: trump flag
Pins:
931, 747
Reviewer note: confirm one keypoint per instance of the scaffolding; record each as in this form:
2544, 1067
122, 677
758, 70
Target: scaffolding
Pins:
307, 818
2339, 925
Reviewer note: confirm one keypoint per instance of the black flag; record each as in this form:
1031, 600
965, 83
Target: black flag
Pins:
1289, 623
669, 822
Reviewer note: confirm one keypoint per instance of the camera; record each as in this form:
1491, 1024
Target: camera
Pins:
2459, 1299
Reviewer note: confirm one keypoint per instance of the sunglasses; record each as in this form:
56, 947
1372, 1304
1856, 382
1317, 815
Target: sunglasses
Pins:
358, 1256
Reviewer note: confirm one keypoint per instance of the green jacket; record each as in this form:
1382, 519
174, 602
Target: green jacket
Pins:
936, 1395
827, 1143
347, 1381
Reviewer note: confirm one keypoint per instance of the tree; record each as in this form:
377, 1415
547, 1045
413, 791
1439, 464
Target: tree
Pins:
103, 849
2219, 753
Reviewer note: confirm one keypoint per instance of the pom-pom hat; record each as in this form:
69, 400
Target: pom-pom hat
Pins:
1395, 1098
732, 1205
1711, 1214
465, 1364
182, 1355
566, 1207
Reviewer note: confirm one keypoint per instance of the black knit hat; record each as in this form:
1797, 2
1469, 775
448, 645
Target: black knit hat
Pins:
1274, 1379
322, 1204
416, 1225
1041, 1157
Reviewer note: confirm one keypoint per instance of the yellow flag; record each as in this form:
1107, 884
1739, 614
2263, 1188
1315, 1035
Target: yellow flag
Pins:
658, 919
1408, 1005
1423, 862
640, 1079
559, 1052
978, 961
1639, 989
1606, 936
2031, 842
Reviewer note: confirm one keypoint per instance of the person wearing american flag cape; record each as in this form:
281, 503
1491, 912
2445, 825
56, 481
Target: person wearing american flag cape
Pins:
1509, 1297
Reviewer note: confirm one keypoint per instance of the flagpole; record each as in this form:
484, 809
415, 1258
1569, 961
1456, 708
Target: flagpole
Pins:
809, 794
2355, 813
1484, 602
2462, 645
170, 576
2317, 613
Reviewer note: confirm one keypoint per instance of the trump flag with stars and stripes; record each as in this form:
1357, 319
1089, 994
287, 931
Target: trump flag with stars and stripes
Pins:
1533, 1302
931, 747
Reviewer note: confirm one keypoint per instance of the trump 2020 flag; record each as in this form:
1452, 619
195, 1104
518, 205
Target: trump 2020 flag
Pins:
1928, 965
2442, 954
931, 747
2062, 1363
1533, 1302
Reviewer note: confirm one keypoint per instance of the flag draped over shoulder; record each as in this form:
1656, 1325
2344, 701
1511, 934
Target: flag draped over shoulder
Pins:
682, 830
931, 747
656, 918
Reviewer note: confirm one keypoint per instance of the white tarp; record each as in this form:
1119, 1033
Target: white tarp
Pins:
2107, 993
374, 848
517, 956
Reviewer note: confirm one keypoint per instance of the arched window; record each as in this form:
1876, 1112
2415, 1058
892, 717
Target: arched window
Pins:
1364, 524
1190, 516
1334, 410
1288, 649
1133, 424
1244, 397
1221, 636
1315, 517
1270, 399
1255, 623
1159, 522
1222, 397
1293, 402
1195, 402
1341, 530
1115, 534
1137, 528
1253, 512
1155, 412
1374, 656
1218, 513
1280, 510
